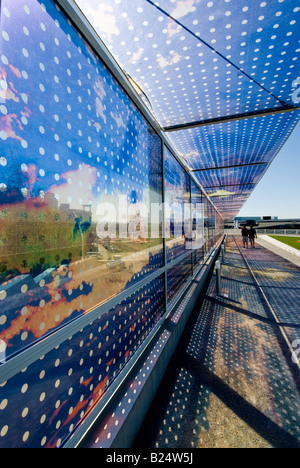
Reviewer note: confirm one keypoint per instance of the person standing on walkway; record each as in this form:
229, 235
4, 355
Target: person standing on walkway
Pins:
252, 237
245, 236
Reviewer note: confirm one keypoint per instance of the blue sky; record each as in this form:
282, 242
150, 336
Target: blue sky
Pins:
278, 193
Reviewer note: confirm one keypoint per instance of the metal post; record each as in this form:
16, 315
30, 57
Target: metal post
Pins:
164, 222
218, 278
223, 253
2, 352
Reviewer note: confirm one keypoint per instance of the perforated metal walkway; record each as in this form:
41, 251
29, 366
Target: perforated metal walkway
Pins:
232, 381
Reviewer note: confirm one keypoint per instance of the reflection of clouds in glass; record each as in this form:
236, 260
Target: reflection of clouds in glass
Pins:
137, 56
118, 119
101, 94
102, 18
222, 193
183, 8
6, 127
78, 186
168, 62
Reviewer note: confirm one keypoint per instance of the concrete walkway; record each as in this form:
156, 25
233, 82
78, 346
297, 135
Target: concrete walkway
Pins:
232, 381
280, 249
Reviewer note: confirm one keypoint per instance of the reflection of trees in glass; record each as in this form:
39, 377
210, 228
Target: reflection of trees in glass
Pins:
34, 237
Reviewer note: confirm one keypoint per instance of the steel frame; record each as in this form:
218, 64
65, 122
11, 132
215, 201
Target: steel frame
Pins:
231, 118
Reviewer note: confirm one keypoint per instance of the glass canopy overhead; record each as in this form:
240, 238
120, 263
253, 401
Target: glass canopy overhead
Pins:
220, 76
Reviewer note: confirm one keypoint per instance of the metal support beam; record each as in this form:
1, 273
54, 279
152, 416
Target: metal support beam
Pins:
228, 185
231, 118
230, 167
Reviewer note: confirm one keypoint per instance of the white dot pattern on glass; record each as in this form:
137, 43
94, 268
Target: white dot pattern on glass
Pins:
177, 192
183, 78
55, 393
79, 140
219, 59
63, 94
71, 135
106, 432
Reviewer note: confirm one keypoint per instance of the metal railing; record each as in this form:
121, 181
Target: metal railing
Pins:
280, 232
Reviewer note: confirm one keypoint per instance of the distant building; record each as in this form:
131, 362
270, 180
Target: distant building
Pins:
265, 222
51, 201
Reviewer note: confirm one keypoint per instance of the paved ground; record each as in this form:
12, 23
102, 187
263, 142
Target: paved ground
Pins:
232, 381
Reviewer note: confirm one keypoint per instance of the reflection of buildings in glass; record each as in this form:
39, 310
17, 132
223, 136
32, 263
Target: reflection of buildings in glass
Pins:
51, 201
82, 222
52, 286
137, 215
177, 194
190, 237
199, 225
39, 234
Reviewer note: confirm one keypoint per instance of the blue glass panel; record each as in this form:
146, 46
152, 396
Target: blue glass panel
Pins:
198, 223
178, 210
260, 37
231, 58
234, 143
194, 61
178, 276
230, 199
251, 142
45, 403
72, 144
211, 226
227, 192
228, 177
206, 225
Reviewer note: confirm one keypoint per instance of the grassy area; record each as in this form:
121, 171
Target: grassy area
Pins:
291, 241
